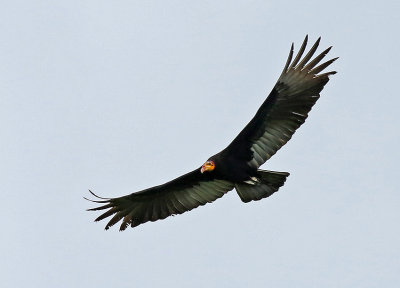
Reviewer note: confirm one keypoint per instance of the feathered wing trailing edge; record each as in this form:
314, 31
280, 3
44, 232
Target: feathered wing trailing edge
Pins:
285, 109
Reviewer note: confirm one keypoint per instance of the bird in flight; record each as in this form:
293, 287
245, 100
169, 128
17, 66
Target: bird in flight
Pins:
237, 166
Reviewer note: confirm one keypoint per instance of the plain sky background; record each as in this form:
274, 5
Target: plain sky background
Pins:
118, 96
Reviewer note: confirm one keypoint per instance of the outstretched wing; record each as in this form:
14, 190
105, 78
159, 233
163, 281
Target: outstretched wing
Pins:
175, 197
285, 109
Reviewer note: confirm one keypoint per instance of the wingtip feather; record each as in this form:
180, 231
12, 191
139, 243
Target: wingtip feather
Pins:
289, 58
300, 53
97, 196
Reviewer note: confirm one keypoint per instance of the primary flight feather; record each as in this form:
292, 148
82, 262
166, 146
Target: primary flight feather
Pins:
284, 110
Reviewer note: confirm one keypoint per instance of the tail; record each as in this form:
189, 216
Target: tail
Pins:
266, 184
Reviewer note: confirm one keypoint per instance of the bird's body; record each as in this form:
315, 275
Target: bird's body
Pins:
237, 166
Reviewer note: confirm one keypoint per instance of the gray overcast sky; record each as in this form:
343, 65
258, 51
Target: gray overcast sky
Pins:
118, 96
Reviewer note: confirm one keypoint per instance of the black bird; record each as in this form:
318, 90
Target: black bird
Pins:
284, 110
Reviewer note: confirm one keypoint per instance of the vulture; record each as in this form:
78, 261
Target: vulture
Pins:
237, 166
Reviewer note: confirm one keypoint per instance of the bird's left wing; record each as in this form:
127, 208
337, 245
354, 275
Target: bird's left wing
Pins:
175, 197
285, 109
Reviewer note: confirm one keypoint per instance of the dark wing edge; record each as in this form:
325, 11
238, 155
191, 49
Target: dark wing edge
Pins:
286, 108
175, 197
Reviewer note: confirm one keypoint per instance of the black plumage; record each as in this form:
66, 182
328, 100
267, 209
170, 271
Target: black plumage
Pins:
284, 110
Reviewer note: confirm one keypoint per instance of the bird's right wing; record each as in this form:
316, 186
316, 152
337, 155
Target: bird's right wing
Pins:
284, 110
175, 197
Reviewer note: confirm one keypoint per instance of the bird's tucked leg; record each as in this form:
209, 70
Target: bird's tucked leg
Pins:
252, 181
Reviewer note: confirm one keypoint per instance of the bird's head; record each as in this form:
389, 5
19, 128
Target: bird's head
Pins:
208, 166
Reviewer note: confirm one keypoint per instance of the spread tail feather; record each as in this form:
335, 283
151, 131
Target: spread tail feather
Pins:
268, 182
